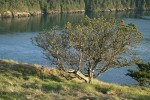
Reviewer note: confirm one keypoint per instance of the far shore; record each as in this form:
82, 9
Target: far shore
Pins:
10, 14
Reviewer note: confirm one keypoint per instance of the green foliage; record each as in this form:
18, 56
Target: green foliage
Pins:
92, 46
46, 6
141, 74
107, 5
53, 6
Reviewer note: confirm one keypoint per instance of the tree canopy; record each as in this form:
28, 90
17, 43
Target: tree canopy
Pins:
91, 47
71, 5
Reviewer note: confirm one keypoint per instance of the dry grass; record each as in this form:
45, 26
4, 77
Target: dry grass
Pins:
33, 82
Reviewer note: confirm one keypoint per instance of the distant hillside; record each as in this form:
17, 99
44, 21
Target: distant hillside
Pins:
14, 8
119, 5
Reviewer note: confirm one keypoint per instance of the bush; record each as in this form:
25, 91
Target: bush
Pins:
141, 74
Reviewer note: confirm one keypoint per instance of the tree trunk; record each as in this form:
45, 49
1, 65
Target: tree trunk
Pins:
88, 79
90, 75
80, 75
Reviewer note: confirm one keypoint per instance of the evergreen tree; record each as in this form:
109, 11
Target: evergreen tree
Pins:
70, 5
141, 74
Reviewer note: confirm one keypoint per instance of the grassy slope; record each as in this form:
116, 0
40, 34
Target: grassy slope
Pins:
32, 82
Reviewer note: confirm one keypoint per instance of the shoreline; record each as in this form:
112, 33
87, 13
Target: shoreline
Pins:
10, 14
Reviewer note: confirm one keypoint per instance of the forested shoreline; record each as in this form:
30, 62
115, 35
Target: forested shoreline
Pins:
20, 8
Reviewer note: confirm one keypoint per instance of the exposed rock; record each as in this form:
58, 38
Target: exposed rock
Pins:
74, 11
36, 13
15, 14
21, 14
53, 12
111, 10
7, 14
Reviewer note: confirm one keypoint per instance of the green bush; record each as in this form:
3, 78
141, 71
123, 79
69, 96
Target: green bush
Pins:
141, 74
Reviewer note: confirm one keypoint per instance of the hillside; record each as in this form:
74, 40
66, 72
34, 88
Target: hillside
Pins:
27, 82
20, 8
116, 5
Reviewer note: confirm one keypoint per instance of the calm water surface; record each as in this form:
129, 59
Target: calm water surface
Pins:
16, 34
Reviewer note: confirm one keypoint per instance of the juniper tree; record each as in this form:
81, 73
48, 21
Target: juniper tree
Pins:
91, 47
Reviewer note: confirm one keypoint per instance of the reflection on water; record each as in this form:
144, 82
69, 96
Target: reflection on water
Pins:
38, 23
16, 34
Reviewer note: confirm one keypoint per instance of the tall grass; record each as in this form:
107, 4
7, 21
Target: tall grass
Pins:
34, 82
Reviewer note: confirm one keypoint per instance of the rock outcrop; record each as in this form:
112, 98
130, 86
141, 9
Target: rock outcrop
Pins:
6, 14
35, 13
20, 14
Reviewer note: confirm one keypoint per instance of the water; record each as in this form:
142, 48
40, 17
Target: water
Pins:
16, 34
